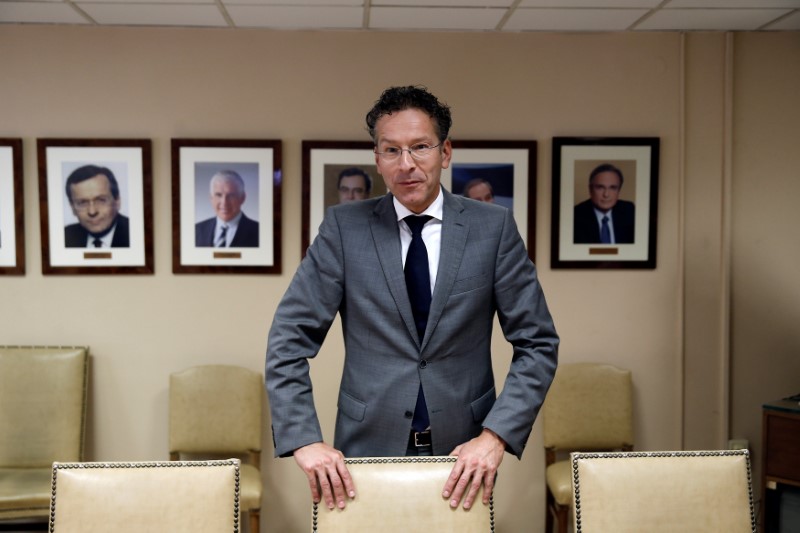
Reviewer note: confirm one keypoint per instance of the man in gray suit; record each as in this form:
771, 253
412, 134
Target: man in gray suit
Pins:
396, 366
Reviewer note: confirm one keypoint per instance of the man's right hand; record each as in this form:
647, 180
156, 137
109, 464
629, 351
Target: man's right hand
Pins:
327, 474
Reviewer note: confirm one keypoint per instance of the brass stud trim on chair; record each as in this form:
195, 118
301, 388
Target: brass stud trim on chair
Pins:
402, 460
621, 455
147, 464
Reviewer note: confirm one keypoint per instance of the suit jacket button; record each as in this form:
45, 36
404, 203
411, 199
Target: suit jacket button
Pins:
409, 414
423, 363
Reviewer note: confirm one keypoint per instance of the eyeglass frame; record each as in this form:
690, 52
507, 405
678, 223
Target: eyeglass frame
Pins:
420, 156
97, 202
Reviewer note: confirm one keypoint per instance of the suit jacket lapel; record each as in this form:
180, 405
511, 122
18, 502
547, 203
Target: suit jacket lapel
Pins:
386, 236
454, 238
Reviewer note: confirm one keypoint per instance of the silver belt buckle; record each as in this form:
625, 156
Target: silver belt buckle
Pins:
417, 436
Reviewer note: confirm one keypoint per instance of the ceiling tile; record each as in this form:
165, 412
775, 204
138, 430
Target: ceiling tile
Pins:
44, 13
296, 17
710, 19
433, 18
295, 3
573, 19
792, 22
731, 4
155, 14
140, 3
590, 3
443, 3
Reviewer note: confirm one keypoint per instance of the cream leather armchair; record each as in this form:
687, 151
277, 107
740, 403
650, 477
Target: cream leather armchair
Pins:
215, 410
663, 492
402, 495
589, 407
151, 497
42, 420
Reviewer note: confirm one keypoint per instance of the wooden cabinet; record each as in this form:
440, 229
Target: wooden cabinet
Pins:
780, 472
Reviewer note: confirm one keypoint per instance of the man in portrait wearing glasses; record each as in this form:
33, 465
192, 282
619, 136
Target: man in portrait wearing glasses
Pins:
417, 276
353, 184
93, 194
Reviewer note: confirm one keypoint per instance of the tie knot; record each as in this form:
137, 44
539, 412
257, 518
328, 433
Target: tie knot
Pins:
416, 222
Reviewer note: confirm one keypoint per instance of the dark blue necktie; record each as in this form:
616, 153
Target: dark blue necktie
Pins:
605, 231
418, 283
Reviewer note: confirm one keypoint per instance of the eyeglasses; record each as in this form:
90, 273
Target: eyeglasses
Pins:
354, 190
100, 202
418, 152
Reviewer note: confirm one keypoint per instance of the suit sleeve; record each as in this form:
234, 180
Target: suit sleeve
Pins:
528, 326
299, 327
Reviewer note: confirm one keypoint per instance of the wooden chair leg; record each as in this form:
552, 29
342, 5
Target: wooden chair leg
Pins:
254, 520
548, 512
563, 515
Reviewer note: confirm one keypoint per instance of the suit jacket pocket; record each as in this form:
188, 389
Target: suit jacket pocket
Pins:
482, 406
469, 284
351, 407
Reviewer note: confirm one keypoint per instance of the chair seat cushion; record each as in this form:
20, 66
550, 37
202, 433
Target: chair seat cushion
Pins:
25, 491
559, 481
250, 487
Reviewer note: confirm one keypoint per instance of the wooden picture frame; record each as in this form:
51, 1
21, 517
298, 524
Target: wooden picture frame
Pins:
325, 165
510, 169
113, 232
613, 179
12, 219
223, 166
509, 165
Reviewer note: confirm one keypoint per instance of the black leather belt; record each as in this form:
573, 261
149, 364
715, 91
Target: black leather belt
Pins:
419, 439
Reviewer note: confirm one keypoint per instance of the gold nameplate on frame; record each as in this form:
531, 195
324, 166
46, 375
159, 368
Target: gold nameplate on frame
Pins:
97, 255
603, 251
227, 255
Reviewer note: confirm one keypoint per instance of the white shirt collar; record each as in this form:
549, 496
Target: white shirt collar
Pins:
435, 209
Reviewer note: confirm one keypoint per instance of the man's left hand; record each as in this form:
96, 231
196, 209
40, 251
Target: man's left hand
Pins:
477, 463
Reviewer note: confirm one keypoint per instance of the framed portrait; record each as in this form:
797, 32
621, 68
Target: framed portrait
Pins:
336, 171
95, 206
503, 172
605, 202
12, 221
226, 206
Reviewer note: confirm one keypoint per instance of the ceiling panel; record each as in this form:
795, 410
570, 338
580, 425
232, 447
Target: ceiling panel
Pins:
45, 13
573, 19
432, 18
154, 14
292, 17
710, 19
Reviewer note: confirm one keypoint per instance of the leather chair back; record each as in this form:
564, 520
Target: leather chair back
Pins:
663, 492
152, 497
402, 495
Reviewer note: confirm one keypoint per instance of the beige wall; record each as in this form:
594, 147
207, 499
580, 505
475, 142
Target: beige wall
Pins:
725, 110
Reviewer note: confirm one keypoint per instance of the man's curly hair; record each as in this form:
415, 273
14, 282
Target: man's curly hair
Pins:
396, 99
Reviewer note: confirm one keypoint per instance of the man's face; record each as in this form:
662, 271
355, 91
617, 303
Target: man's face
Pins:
226, 199
481, 192
604, 190
352, 188
415, 183
93, 203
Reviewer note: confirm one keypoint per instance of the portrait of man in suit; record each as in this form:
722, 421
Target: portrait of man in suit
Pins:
353, 184
230, 227
94, 196
479, 189
605, 218
417, 277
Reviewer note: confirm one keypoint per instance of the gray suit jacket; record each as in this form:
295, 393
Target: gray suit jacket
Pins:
354, 267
